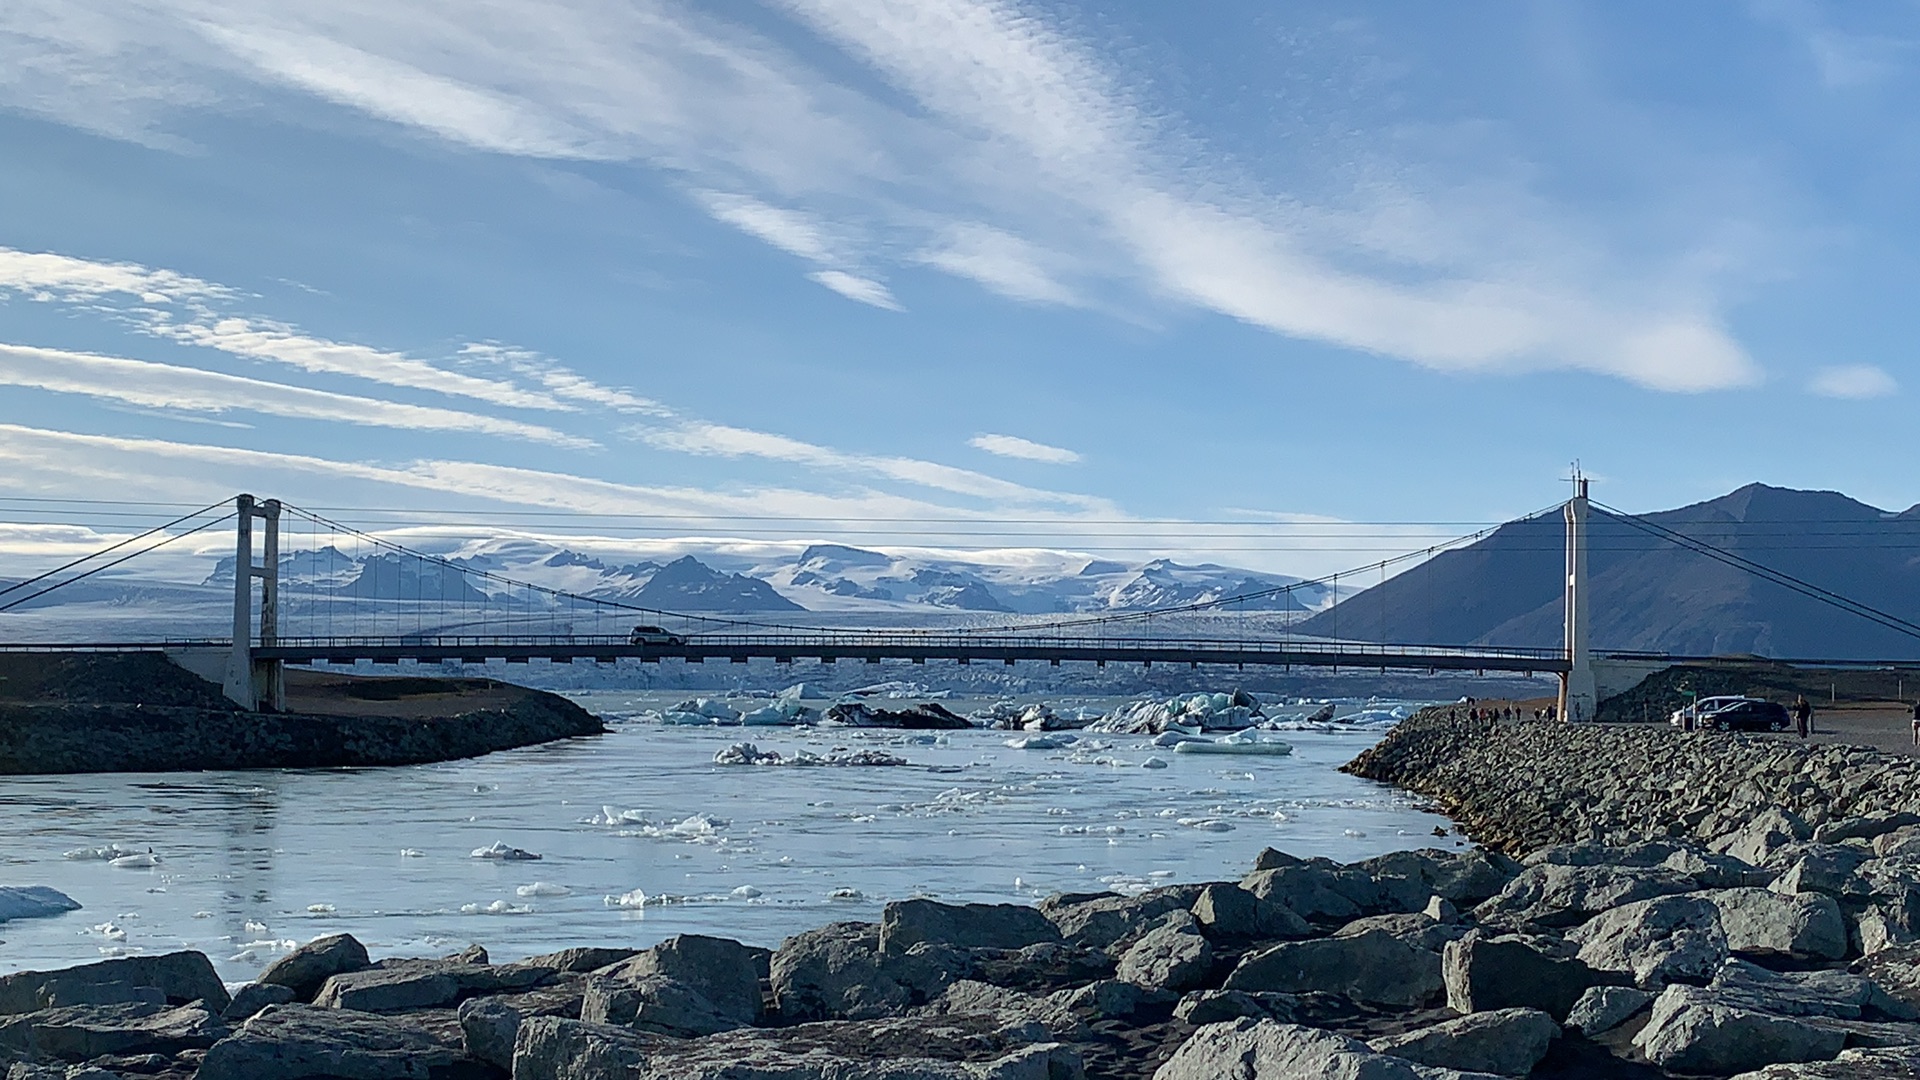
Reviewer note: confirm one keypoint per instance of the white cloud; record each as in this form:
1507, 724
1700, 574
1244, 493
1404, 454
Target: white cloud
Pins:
1855, 381
855, 287
1018, 140
1014, 446
721, 440
168, 386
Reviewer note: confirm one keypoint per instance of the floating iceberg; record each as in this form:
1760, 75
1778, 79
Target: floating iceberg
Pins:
499, 850
749, 754
101, 854
33, 902
1040, 742
1237, 744
498, 907
543, 888
145, 860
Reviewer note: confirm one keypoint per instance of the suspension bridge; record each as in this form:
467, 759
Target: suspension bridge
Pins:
307, 589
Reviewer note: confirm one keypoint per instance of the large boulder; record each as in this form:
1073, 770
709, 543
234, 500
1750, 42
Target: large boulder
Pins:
1483, 973
837, 971
1769, 830
1101, 920
1560, 895
1374, 968
1406, 879
1691, 1030
1822, 868
1864, 827
181, 977
1667, 939
1319, 889
906, 923
400, 985
83, 1032
286, 1042
1227, 912
1248, 1049
490, 1025
1172, 956
255, 996
1880, 1063
1603, 1008
1836, 994
952, 1047
657, 1004
721, 970
1798, 926
306, 968
1509, 1042
1420, 930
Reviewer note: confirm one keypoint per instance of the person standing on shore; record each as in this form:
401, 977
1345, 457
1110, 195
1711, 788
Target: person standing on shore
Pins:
1802, 716
1916, 722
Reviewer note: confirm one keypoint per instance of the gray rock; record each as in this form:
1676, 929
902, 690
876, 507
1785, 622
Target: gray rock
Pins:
1375, 968
582, 959
1101, 920
1320, 889
255, 996
1864, 827
1879, 927
399, 985
1204, 1007
1273, 859
59, 992
1824, 868
1692, 1030
721, 970
1407, 879
181, 977
1111, 999
1656, 941
1172, 956
304, 969
1249, 1049
472, 954
1416, 930
1441, 910
488, 1027
1554, 894
1603, 1008
906, 923
1508, 1042
1227, 912
1894, 971
961, 1047
1483, 973
1901, 841
81, 1032
658, 1004
838, 972
1772, 828
293, 1042
1886, 1063
1801, 926
1835, 994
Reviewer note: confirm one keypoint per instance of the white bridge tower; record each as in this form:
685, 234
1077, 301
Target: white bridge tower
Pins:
256, 684
1579, 695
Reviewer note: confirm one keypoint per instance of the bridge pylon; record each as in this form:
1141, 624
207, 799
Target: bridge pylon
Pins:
251, 682
1579, 694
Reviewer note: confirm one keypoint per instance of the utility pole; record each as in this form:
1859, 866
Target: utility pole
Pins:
255, 684
1579, 697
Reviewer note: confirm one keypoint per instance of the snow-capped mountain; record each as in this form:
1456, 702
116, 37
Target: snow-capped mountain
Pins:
821, 577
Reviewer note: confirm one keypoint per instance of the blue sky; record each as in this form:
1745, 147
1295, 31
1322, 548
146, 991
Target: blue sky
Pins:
902, 271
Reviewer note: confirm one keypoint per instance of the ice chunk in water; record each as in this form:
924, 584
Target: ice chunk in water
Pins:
100, 854
850, 895
1040, 742
634, 899
412, 853
1207, 824
746, 892
144, 860
320, 909
33, 902
543, 888
500, 850
498, 907
1153, 763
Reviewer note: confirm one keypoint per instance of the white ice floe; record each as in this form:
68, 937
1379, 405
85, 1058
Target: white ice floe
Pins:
634, 899
144, 860
1153, 763
849, 895
1041, 742
1353, 834
745, 892
500, 850
1207, 824
412, 853
110, 931
498, 907
254, 926
749, 754
543, 888
33, 902
203, 914
1237, 744
106, 853
320, 909
610, 816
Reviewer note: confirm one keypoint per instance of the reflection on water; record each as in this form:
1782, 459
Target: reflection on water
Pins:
250, 862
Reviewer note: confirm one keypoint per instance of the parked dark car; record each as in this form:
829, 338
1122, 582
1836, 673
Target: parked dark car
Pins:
1749, 715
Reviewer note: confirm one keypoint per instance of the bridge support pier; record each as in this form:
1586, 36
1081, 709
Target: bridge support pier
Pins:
1579, 694
252, 683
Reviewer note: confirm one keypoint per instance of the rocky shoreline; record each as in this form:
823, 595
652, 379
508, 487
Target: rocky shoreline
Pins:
1651, 904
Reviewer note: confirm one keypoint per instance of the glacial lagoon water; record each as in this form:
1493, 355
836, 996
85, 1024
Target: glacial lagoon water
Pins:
246, 864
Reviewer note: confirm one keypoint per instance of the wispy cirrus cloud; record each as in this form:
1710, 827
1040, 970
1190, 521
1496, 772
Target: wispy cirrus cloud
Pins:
1014, 446
1853, 381
1018, 140
173, 387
